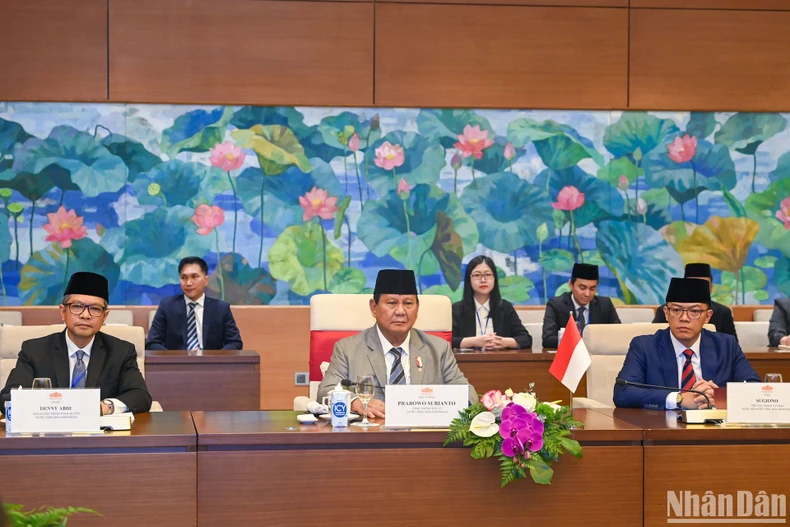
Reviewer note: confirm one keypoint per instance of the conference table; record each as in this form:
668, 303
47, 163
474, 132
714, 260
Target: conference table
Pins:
143, 477
264, 468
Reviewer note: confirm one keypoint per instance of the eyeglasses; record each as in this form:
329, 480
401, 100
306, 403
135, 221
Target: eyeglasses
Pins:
677, 312
79, 309
480, 276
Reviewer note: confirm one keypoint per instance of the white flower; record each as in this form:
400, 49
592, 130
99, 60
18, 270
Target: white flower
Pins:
526, 400
484, 425
509, 393
641, 206
554, 406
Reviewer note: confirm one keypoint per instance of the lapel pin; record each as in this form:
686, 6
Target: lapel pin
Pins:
419, 364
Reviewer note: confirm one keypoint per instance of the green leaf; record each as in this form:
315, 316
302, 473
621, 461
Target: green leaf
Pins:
766, 262
621, 166
761, 295
737, 208
340, 214
179, 183
542, 232
347, 281
277, 148
763, 207
196, 131
539, 470
571, 446
516, 288
593, 257
701, 124
753, 279
448, 248
242, 283
558, 145
423, 163
557, 260
636, 131
745, 132
297, 257
455, 295
446, 125
137, 158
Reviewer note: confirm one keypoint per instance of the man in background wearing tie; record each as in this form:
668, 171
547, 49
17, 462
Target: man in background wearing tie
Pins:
685, 355
193, 321
582, 300
391, 350
82, 356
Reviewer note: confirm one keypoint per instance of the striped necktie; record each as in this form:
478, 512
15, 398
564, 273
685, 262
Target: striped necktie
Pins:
689, 377
192, 335
80, 371
581, 320
397, 375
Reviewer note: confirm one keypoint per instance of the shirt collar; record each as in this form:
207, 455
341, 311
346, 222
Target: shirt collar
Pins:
680, 348
479, 306
199, 301
577, 305
73, 348
386, 345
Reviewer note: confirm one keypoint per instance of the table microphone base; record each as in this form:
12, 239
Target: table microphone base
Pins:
701, 416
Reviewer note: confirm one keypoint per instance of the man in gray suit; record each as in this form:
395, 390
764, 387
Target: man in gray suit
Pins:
391, 350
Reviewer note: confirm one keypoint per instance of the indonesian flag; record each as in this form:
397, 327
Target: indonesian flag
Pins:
572, 358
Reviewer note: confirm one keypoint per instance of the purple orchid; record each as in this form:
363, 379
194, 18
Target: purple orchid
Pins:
521, 431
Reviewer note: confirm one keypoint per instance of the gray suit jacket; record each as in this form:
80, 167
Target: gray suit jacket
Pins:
361, 354
779, 326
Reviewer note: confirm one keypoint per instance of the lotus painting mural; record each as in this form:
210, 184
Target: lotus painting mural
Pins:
287, 202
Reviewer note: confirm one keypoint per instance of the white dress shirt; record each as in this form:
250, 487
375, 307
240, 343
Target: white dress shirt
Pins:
680, 359
389, 359
73, 349
483, 319
198, 315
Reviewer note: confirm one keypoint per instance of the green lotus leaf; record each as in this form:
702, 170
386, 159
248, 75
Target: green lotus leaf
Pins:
766, 262
558, 145
601, 200
276, 146
445, 126
423, 162
348, 281
242, 283
516, 288
137, 158
762, 207
335, 127
11, 135
621, 166
44, 277
557, 260
444, 290
701, 124
180, 183
753, 279
745, 132
636, 131
448, 248
196, 131
297, 257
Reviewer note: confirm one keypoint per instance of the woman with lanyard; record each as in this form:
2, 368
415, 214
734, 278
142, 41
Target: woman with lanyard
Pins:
483, 319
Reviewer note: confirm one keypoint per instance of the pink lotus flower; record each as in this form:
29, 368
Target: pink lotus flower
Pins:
389, 156
317, 202
226, 156
682, 149
353, 143
456, 162
65, 226
495, 401
473, 141
569, 198
783, 214
403, 187
641, 206
207, 218
623, 182
510, 151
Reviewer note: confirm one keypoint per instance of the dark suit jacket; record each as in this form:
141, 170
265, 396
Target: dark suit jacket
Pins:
558, 310
779, 326
505, 320
651, 359
112, 368
169, 327
721, 318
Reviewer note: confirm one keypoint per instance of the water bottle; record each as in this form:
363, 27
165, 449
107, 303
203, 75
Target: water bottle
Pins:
339, 406
8, 417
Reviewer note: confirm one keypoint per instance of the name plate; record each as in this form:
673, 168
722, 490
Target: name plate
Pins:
424, 405
55, 411
758, 403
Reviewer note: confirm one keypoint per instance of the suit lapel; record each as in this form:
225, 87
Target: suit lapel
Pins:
98, 354
61, 360
209, 305
181, 310
570, 310
416, 345
376, 357
469, 325
669, 364
707, 357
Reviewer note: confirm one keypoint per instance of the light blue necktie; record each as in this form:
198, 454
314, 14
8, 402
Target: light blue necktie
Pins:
192, 335
80, 371
397, 375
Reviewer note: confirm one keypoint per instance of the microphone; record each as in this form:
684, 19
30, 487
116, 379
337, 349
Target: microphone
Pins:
623, 382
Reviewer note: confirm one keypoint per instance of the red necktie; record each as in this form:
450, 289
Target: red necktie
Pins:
689, 377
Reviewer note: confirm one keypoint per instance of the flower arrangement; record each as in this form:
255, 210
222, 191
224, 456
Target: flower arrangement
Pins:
526, 435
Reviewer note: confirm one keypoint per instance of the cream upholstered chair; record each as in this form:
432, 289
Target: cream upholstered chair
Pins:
151, 316
536, 331
631, 315
12, 337
608, 345
531, 316
10, 318
116, 317
761, 315
333, 317
752, 335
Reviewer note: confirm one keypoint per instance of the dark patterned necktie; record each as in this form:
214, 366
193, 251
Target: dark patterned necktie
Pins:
580, 320
397, 375
78, 376
689, 377
192, 335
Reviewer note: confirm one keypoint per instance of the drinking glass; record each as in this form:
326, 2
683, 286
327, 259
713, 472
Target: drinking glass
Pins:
773, 377
365, 391
42, 383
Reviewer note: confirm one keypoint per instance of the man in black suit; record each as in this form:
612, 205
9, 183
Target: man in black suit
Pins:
582, 300
722, 315
82, 356
193, 321
779, 326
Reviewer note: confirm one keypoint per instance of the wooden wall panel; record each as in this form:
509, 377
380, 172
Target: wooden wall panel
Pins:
545, 3
709, 60
770, 5
53, 50
516, 57
241, 51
